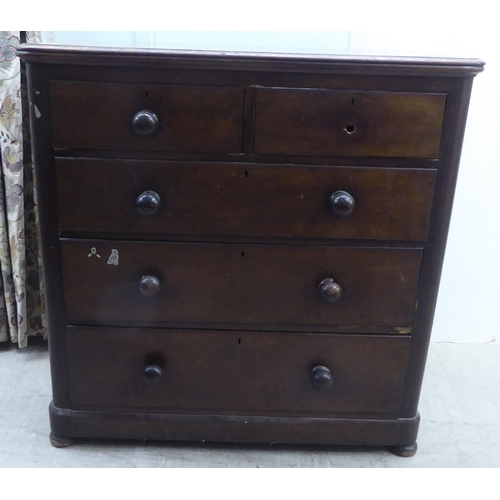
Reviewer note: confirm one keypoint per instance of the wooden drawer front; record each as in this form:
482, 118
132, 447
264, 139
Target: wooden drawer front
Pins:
244, 199
237, 284
345, 123
99, 115
244, 372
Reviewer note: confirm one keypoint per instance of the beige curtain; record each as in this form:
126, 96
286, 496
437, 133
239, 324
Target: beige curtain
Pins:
21, 283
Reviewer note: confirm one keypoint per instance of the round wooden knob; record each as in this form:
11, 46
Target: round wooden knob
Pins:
342, 203
149, 285
329, 290
321, 378
145, 122
148, 203
152, 374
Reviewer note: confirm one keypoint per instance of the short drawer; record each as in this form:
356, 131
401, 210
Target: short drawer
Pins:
213, 199
182, 284
188, 118
348, 123
242, 372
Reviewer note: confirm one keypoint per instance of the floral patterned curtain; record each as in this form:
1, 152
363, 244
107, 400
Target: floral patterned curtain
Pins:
21, 283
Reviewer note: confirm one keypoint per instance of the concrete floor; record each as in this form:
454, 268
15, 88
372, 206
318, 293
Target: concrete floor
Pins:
460, 409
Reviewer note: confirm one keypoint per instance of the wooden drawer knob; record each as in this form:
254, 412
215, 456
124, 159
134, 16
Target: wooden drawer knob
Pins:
149, 285
152, 374
145, 122
329, 290
342, 203
321, 378
148, 203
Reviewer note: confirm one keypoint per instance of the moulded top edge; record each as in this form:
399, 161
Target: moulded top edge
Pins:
363, 64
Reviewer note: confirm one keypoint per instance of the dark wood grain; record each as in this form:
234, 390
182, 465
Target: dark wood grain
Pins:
455, 122
238, 284
237, 372
100, 115
41, 132
231, 428
254, 78
227, 199
348, 123
234, 160
234, 428
331, 160
408, 430
269, 62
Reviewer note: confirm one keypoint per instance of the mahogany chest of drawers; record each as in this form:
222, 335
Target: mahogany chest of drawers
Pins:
242, 247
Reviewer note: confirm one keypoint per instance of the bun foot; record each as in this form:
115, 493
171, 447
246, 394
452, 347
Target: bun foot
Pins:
404, 450
60, 442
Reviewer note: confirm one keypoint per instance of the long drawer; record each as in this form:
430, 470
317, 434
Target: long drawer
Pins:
348, 123
230, 199
146, 283
242, 372
172, 117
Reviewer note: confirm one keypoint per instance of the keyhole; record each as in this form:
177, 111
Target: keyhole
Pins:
239, 341
146, 95
352, 102
350, 128
243, 254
